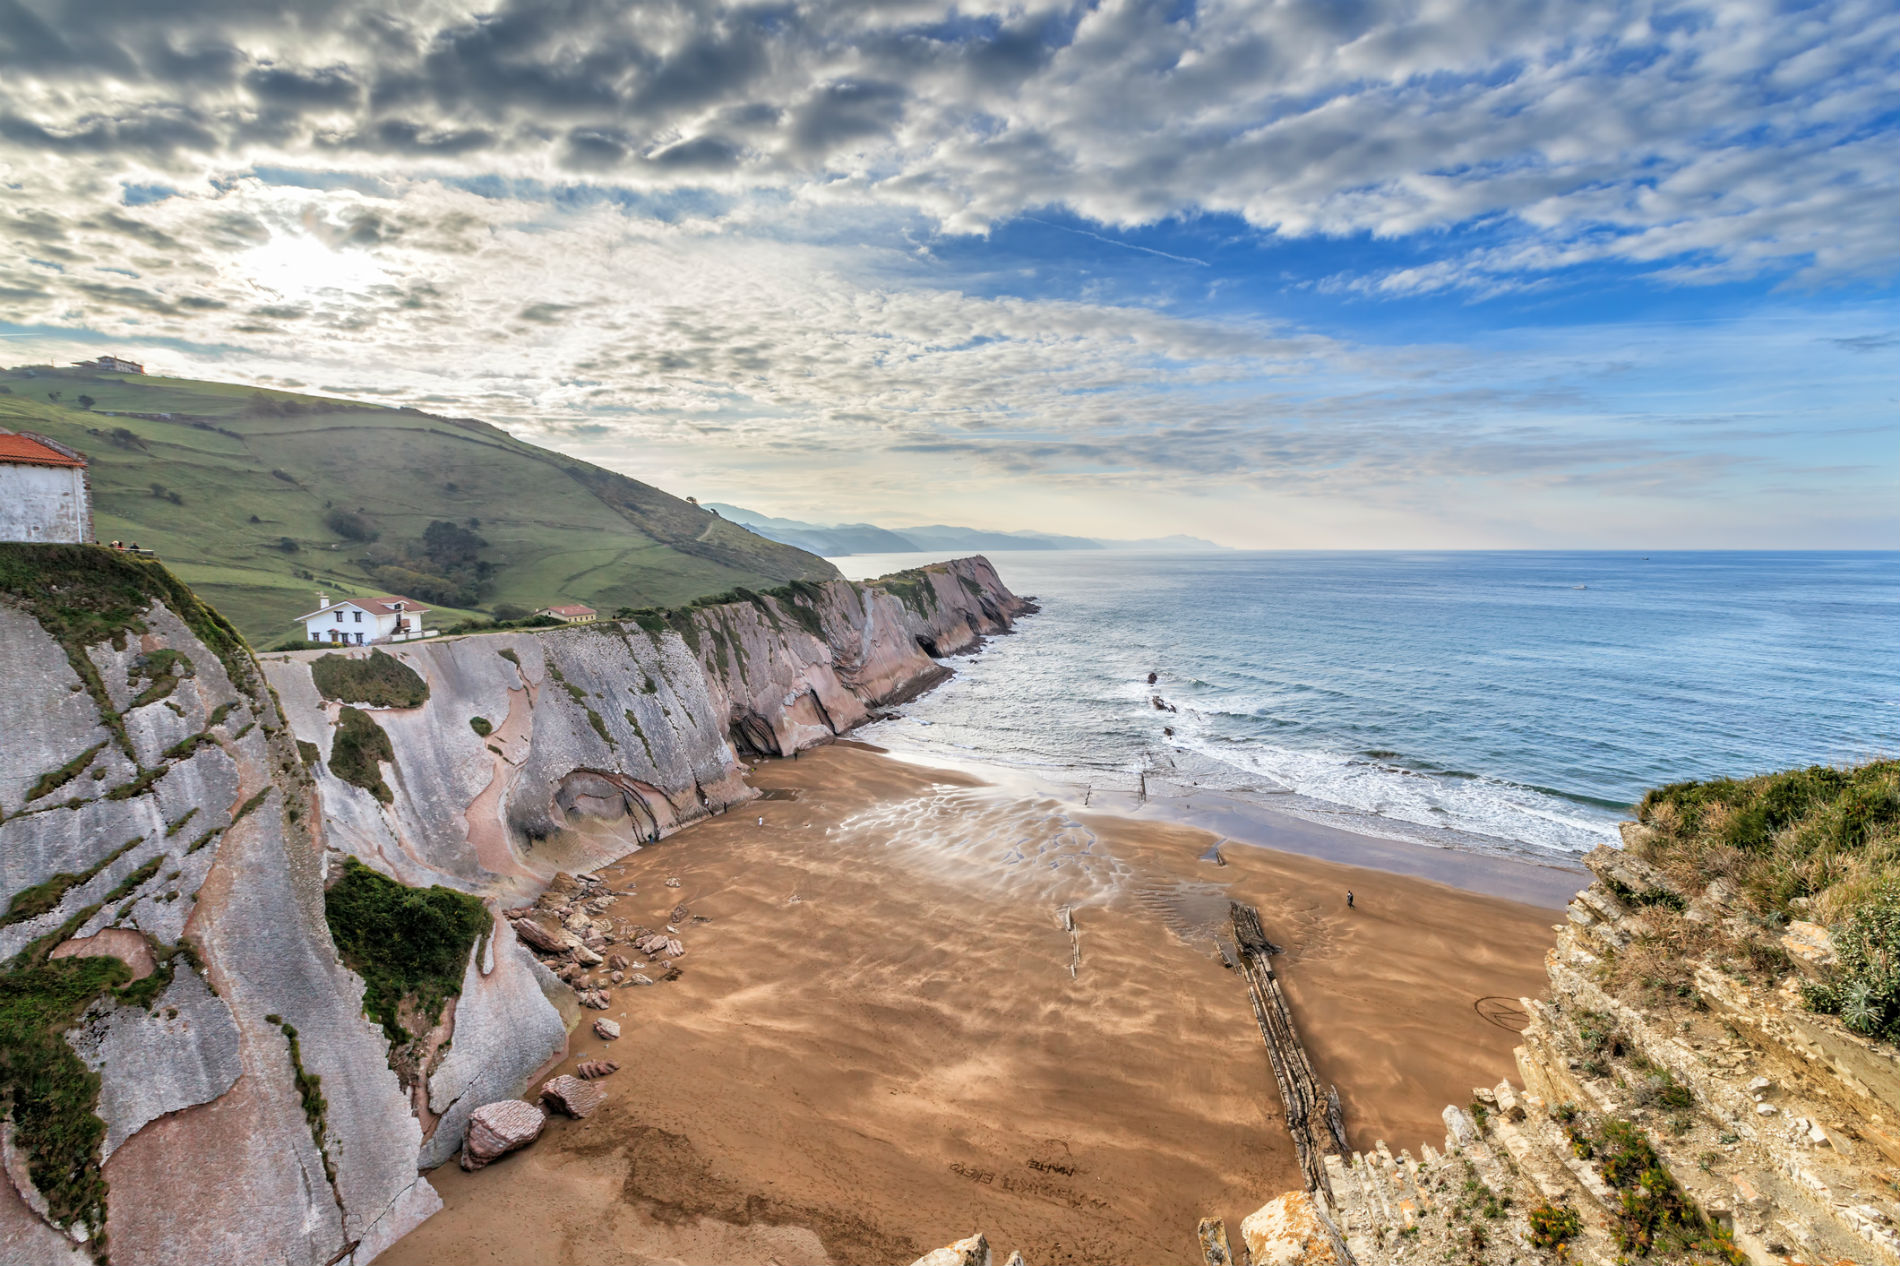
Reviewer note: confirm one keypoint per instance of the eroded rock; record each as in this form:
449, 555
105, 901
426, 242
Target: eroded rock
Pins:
572, 1096
495, 1129
1289, 1231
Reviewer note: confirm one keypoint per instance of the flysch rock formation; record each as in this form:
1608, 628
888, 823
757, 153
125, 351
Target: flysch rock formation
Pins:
1771, 1128
160, 798
250, 1109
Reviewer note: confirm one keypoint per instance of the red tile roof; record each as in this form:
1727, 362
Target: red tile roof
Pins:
30, 452
375, 606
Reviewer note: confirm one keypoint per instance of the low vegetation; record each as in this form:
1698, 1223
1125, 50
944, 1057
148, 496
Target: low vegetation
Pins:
47, 1089
380, 680
83, 595
410, 945
1864, 989
357, 750
1819, 844
1654, 1217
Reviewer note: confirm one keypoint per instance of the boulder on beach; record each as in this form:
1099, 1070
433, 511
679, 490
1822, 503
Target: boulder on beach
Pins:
495, 1129
607, 1029
1289, 1231
537, 937
589, 1069
572, 1096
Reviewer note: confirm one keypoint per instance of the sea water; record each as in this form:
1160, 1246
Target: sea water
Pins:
1512, 702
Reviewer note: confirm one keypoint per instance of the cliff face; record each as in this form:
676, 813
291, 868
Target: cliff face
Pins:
166, 803
155, 811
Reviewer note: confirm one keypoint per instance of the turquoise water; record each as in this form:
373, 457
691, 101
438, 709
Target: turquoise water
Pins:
1503, 701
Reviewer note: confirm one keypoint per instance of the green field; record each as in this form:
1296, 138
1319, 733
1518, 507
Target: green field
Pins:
235, 488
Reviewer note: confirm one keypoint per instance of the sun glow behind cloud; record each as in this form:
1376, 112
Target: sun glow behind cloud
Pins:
298, 267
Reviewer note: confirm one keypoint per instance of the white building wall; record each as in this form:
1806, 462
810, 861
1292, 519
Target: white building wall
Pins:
43, 503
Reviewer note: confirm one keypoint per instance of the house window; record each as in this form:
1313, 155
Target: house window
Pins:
359, 617
339, 617
359, 639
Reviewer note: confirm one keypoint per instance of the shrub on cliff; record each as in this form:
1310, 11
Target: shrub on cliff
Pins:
357, 751
1826, 837
381, 681
410, 945
1819, 844
1864, 988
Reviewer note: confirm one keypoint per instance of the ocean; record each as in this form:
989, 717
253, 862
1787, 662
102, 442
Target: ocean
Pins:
1505, 702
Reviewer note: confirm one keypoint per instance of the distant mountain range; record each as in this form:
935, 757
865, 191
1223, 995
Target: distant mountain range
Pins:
837, 539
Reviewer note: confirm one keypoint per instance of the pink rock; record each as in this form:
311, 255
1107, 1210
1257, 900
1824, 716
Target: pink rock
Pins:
495, 1129
573, 1096
607, 1029
537, 937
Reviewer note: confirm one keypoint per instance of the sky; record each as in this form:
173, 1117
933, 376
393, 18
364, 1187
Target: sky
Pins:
1278, 273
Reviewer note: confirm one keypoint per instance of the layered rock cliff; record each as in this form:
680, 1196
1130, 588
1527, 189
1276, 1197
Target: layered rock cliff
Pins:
1676, 1101
189, 1072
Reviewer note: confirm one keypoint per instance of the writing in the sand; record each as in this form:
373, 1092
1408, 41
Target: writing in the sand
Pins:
1050, 1167
1040, 1188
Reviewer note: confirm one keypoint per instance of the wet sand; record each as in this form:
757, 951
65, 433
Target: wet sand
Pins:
876, 1045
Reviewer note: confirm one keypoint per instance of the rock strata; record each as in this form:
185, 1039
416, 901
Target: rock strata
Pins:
572, 1096
495, 1129
1723, 1122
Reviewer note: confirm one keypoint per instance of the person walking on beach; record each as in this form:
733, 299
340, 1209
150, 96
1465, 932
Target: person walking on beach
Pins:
1349, 904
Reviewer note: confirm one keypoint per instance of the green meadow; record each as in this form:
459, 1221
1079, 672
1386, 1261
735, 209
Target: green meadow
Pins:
238, 490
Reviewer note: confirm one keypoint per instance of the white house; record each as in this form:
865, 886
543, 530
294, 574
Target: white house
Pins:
359, 621
571, 615
44, 492
112, 364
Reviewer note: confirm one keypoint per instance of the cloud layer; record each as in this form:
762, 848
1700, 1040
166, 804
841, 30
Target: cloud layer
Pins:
659, 229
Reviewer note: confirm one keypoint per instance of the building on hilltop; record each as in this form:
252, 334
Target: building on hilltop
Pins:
111, 365
360, 621
571, 615
45, 492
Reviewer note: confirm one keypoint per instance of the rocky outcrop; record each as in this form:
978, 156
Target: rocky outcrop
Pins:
1715, 1121
155, 810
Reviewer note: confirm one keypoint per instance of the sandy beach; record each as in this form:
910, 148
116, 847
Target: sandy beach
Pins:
876, 1044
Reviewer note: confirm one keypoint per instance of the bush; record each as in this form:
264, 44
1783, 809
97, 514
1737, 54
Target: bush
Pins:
357, 751
410, 945
1864, 988
506, 611
381, 681
350, 525
1553, 1226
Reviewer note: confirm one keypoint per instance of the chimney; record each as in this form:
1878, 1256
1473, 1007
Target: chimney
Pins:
323, 600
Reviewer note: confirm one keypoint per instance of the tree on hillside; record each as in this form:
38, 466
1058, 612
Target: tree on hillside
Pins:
86, 402
350, 525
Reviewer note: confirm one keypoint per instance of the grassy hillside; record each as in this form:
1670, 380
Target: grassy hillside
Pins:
252, 497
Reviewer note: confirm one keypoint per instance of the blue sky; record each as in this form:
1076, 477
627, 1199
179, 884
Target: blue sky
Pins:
1279, 273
